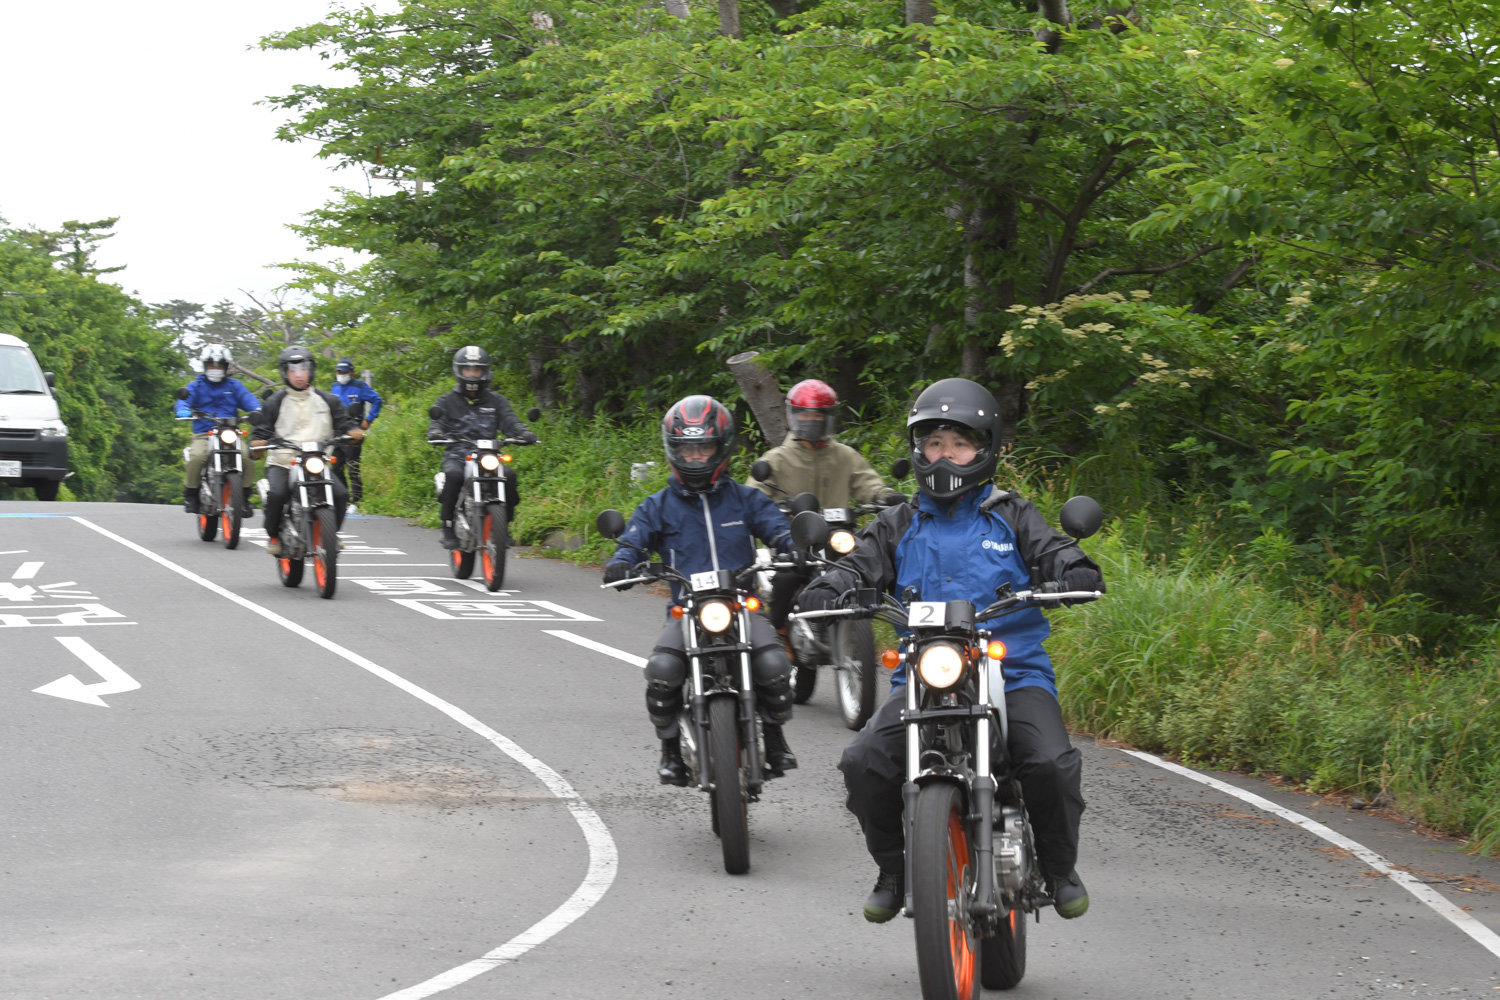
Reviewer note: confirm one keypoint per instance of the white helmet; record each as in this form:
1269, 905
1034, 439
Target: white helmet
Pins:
215, 355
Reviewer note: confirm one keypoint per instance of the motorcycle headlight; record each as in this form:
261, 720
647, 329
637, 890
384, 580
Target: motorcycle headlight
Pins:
940, 666
715, 616
54, 429
841, 542
315, 466
228, 436
489, 463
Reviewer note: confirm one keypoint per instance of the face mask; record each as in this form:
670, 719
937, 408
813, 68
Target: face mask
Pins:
344, 378
214, 374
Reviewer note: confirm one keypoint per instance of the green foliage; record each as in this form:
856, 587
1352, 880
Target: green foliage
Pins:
115, 372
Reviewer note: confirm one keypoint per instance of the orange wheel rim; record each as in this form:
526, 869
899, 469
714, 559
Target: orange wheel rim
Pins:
960, 943
319, 569
487, 531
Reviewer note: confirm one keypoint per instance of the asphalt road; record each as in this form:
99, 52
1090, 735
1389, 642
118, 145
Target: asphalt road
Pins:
423, 789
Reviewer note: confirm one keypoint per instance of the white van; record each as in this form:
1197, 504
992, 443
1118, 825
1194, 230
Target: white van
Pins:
33, 438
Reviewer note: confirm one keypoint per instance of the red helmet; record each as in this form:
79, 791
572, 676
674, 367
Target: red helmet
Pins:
698, 433
811, 411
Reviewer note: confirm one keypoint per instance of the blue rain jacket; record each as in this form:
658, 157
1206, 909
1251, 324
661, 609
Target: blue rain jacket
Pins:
222, 399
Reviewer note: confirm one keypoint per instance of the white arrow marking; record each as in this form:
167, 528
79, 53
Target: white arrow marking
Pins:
27, 571
116, 681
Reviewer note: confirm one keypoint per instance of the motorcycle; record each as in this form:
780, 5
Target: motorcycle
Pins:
972, 874
720, 727
482, 517
845, 646
309, 524
221, 484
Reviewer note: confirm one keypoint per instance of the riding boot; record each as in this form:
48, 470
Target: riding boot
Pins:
450, 537
672, 770
245, 509
779, 756
190, 499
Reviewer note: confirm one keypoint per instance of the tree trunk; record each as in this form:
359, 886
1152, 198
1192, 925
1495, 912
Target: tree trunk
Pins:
783, 8
677, 8
729, 18
760, 391
990, 229
920, 12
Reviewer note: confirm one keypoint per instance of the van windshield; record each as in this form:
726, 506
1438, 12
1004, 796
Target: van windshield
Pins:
19, 372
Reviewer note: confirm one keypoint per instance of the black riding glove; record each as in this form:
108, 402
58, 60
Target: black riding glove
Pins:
816, 599
615, 572
892, 499
528, 437
1083, 578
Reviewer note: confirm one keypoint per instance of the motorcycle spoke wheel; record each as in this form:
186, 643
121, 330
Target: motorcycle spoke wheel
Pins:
853, 647
208, 524
804, 680
493, 530
290, 572
730, 802
325, 551
942, 874
462, 563
229, 510
1002, 958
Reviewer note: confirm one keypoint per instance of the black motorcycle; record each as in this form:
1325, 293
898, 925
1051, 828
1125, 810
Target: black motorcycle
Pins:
222, 481
481, 520
972, 874
309, 523
720, 727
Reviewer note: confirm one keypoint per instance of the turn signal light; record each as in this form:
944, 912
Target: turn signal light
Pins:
996, 649
890, 659
676, 611
752, 602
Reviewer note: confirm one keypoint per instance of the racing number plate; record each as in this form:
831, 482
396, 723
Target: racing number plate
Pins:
10, 470
707, 580
836, 514
925, 614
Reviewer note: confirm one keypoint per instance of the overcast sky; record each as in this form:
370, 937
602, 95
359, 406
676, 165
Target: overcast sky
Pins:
147, 111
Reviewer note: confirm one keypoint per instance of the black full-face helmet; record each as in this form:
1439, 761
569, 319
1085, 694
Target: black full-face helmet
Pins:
698, 433
968, 408
297, 355
465, 361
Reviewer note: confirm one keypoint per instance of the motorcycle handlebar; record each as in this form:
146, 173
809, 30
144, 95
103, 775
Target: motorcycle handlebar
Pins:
447, 441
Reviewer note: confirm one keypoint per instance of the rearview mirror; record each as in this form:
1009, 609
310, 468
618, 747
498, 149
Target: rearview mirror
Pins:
1081, 516
762, 470
611, 523
809, 530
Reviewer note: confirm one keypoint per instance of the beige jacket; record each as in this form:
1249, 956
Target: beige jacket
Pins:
837, 475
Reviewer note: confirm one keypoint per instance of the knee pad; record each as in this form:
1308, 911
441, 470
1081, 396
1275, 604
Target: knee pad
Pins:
772, 672
665, 673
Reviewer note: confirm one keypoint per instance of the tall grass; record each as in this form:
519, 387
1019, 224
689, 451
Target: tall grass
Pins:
1197, 652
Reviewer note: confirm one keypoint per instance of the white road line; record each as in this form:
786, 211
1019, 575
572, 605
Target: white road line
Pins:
1455, 915
597, 647
603, 855
26, 571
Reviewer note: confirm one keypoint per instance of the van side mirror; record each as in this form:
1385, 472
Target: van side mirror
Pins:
51, 380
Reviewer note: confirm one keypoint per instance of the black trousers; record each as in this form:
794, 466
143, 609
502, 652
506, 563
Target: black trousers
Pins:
276, 480
1047, 764
786, 584
453, 482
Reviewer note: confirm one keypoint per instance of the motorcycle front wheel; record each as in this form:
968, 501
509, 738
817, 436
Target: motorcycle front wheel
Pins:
942, 877
494, 529
853, 646
325, 551
229, 509
461, 562
729, 799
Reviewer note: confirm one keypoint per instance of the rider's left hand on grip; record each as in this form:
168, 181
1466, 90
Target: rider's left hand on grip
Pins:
615, 572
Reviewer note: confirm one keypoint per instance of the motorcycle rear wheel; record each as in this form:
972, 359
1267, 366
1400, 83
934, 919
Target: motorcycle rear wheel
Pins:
853, 647
1002, 959
325, 551
494, 529
230, 496
208, 524
729, 799
942, 875
461, 562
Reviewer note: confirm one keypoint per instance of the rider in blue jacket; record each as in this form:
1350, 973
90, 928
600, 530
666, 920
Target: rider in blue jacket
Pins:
704, 520
363, 404
959, 540
214, 392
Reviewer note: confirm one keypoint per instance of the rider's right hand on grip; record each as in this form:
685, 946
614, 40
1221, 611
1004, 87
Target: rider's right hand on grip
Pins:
615, 572
816, 599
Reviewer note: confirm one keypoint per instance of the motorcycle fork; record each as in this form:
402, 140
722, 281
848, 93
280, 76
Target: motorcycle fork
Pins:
746, 713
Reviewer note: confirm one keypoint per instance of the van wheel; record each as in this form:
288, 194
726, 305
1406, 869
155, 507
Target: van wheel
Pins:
46, 489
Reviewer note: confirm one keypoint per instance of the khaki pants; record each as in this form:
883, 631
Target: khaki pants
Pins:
198, 457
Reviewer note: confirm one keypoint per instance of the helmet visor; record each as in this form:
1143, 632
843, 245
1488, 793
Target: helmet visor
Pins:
810, 423
957, 443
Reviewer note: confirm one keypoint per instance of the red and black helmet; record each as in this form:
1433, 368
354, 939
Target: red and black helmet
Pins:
698, 434
812, 411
